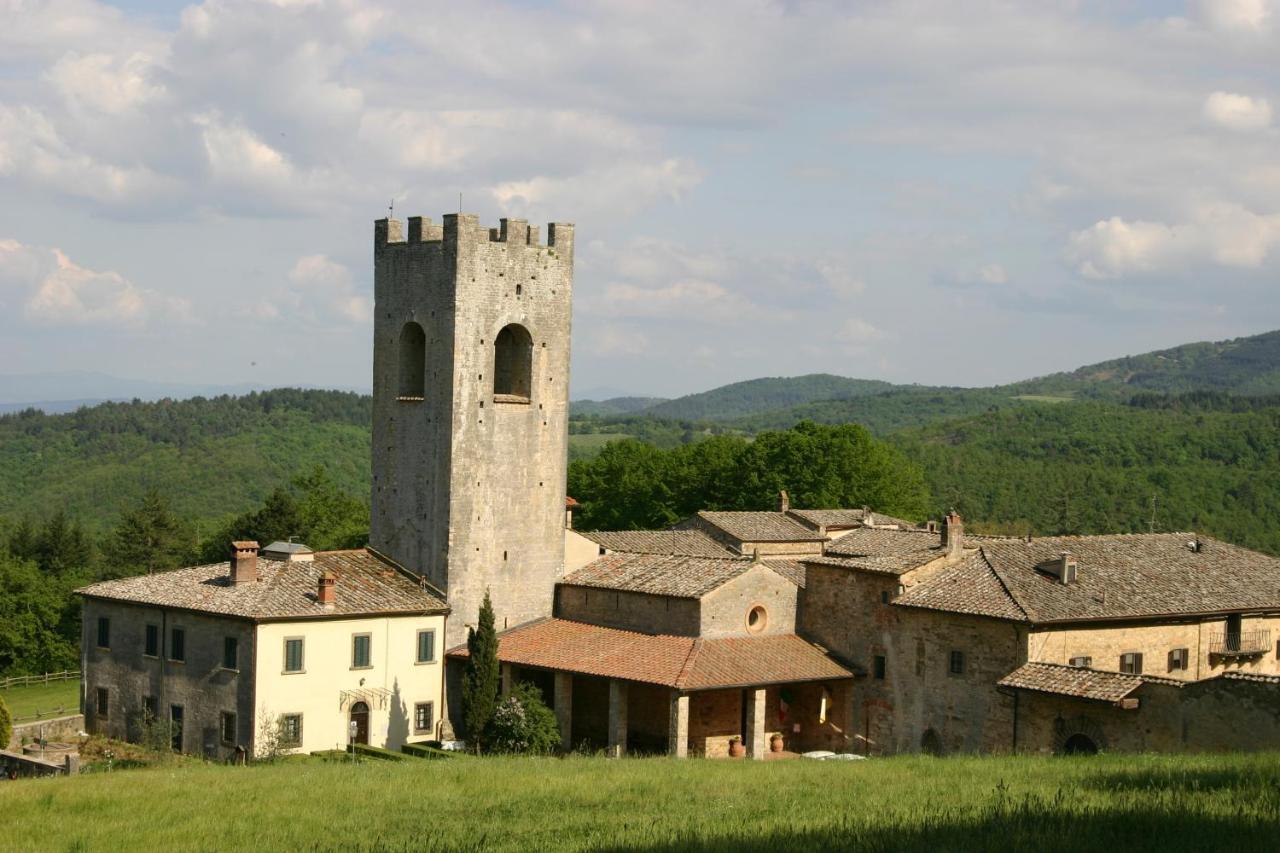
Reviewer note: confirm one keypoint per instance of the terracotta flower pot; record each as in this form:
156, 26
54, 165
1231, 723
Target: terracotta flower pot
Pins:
737, 749
775, 743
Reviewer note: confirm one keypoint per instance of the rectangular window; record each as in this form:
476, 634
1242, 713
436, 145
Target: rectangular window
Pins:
1131, 663
102, 703
291, 730
957, 663
880, 667
426, 646
1082, 661
293, 655
228, 728
1178, 659
178, 645
175, 726
424, 717
360, 644
151, 641
149, 706
884, 596
230, 653
104, 632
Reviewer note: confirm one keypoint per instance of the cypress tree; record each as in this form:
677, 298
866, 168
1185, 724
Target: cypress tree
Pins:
480, 680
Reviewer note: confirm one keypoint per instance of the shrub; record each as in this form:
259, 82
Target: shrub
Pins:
522, 723
6, 725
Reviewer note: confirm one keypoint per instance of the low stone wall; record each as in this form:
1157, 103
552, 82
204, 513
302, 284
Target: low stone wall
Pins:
59, 728
15, 765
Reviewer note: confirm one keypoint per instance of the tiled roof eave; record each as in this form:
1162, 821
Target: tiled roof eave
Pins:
604, 585
1017, 620
1157, 616
258, 618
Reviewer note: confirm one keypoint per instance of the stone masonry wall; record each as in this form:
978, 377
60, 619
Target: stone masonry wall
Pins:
200, 685
846, 612
631, 611
725, 610
1107, 643
469, 489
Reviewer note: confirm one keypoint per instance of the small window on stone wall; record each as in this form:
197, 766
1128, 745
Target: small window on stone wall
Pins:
757, 619
1131, 663
1082, 661
957, 663
413, 363
1178, 659
513, 364
881, 667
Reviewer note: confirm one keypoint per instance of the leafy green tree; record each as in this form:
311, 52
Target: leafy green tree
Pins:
480, 679
522, 723
6, 724
148, 539
61, 546
37, 630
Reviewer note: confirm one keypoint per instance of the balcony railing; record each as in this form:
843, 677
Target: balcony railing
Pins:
1240, 643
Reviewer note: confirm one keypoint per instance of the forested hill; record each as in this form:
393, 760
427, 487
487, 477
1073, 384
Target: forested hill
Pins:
210, 457
759, 395
1202, 462
1241, 366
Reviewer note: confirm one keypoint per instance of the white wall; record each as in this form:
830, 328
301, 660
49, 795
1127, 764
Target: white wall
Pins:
315, 692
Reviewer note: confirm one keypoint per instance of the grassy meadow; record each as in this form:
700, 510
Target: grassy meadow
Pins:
1109, 802
42, 701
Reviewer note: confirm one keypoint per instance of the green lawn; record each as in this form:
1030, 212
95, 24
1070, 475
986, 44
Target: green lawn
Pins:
1116, 803
44, 700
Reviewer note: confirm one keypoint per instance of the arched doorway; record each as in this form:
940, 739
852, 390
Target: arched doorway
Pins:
360, 723
1080, 744
931, 743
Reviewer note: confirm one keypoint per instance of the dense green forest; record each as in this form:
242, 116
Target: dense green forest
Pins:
1163, 441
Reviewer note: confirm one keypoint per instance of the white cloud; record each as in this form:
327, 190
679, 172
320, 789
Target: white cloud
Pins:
52, 290
104, 82
1221, 234
621, 188
1249, 16
320, 291
1237, 112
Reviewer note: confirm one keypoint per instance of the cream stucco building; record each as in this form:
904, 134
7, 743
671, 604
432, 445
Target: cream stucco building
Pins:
279, 650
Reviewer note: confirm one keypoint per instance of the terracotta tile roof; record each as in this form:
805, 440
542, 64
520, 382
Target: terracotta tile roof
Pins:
366, 584
892, 552
760, 526
1078, 682
1135, 575
682, 663
660, 574
970, 586
1239, 675
846, 518
792, 570
690, 543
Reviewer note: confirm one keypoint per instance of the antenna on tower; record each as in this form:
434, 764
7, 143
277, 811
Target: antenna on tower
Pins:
459, 202
391, 209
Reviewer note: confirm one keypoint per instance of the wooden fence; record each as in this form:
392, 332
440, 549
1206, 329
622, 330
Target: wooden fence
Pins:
47, 678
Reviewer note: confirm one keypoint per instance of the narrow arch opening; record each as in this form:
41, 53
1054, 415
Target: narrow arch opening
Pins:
931, 743
413, 362
1080, 744
513, 363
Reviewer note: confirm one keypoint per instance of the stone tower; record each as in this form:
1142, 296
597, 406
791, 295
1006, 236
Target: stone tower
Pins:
471, 408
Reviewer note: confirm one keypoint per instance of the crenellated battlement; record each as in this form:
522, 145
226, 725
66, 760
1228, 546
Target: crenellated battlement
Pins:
458, 227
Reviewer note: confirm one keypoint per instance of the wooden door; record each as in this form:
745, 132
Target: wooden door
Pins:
360, 716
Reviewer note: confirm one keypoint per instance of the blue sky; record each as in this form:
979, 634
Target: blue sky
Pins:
954, 193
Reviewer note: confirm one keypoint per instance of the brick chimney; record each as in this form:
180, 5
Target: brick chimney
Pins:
325, 594
244, 562
784, 501
953, 534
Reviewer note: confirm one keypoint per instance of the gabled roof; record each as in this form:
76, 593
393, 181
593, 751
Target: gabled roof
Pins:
1074, 681
681, 663
840, 518
969, 586
689, 543
365, 584
660, 574
891, 552
760, 526
1134, 576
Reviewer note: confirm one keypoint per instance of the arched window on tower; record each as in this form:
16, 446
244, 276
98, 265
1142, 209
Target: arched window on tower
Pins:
413, 362
513, 365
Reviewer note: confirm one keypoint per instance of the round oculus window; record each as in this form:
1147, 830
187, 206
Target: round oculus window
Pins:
757, 619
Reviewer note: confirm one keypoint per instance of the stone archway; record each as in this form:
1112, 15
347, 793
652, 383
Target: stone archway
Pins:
1079, 735
931, 742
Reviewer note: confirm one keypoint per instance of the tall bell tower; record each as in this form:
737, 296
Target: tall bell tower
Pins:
470, 410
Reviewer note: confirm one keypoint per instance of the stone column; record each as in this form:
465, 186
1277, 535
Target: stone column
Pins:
678, 726
505, 670
564, 708
754, 735
617, 718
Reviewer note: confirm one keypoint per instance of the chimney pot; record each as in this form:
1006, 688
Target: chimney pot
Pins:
325, 593
244, 562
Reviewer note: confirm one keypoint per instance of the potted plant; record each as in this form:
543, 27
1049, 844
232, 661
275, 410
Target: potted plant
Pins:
736, 747
775, 742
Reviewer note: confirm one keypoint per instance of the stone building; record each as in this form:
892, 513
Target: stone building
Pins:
841, 629
281, 648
